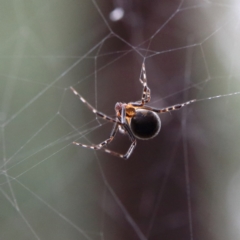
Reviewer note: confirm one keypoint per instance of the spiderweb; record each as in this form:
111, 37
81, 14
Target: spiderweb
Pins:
183, 184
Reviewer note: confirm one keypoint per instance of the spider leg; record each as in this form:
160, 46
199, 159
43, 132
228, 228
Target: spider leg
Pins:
100, 114
107, 141
127, 154
102, 144
146, 95
133, 144
172, 108
130, 134
117, 122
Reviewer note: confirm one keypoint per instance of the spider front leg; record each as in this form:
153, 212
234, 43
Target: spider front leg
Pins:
146, 95
172, 108
100, 114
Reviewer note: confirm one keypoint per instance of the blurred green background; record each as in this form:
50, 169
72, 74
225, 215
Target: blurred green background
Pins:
183, 184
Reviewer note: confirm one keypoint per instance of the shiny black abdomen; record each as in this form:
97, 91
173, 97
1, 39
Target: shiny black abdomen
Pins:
145, 124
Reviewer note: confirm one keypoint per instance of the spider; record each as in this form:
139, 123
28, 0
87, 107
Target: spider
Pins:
135, 119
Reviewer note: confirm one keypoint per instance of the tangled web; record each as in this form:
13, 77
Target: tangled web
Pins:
183, 184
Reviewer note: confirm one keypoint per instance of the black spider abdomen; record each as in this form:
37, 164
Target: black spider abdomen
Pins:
145, 124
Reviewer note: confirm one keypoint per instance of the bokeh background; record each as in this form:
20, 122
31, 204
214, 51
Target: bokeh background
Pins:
183, 184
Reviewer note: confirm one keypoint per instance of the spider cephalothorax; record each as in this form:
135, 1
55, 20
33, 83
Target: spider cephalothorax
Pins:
135, 119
